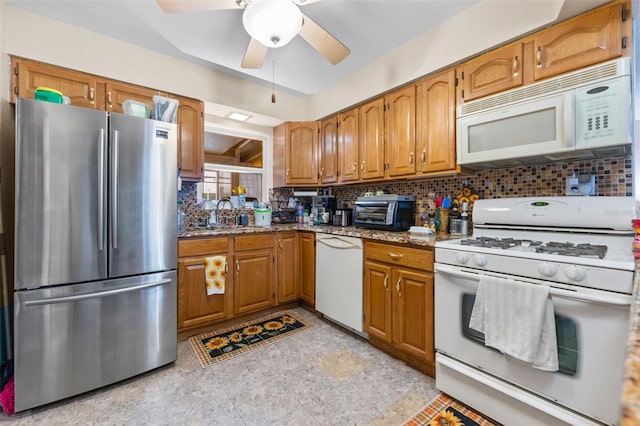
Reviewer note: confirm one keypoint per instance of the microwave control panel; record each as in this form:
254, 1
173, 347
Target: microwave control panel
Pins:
602, 113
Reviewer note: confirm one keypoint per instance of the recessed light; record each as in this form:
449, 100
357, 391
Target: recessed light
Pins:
238, 116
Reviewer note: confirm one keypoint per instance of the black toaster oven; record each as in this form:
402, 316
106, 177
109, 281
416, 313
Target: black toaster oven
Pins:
385, 212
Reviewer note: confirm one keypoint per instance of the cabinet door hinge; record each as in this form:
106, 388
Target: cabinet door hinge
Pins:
462, 93
624, 14
15, 90
624, 42
456, 82
462, 75
15, 69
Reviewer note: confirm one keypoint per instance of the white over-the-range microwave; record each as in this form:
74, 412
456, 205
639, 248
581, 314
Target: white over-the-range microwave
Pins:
581, 114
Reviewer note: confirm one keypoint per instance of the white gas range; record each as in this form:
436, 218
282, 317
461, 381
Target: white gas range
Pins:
579, 247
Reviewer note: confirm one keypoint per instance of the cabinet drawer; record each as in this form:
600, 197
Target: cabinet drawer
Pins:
398, 255
195, 247
251, 242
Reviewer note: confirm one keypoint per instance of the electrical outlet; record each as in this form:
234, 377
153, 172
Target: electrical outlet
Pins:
583, 184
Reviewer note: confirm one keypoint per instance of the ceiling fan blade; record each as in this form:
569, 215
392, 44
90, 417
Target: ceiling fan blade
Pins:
322, 41
255, 54
178, 6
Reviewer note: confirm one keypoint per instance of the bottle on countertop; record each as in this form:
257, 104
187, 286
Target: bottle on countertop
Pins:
300, 213
464, 225
455, 221
182, 218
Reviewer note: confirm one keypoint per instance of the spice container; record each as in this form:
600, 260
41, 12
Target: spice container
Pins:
636, 240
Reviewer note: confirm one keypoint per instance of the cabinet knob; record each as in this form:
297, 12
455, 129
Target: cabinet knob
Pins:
109, 99
355, 167
92, 94
539, 57
287, 172
362, 166
411, 158
237, 266
423, 158
516, 66
398, 287
386, 282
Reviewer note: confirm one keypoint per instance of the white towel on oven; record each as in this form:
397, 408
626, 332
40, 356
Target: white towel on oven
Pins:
517, 318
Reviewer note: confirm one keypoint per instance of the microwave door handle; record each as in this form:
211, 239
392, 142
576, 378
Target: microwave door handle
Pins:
609, 299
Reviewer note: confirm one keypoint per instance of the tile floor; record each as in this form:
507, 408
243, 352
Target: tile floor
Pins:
322, 376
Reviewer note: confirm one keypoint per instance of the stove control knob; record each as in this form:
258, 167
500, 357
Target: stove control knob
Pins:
547, 269
480, 259
575, 273
462, 258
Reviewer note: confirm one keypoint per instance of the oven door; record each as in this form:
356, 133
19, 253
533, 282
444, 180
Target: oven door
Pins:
591, 328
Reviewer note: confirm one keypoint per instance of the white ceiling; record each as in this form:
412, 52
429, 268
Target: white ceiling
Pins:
217, 39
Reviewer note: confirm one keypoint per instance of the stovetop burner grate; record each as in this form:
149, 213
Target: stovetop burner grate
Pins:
551, 247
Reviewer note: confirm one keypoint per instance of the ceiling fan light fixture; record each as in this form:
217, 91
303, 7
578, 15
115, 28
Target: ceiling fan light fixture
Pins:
272, 22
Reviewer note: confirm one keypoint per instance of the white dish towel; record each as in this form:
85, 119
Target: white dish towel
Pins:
517, 318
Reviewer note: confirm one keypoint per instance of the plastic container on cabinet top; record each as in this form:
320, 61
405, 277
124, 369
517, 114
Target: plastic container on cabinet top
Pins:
135, 108
49, 95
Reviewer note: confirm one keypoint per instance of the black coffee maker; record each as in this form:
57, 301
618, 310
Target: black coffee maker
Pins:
323, 207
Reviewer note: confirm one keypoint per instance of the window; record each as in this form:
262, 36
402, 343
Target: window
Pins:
236, 157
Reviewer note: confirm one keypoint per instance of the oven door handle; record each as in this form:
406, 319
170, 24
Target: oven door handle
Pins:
579, 295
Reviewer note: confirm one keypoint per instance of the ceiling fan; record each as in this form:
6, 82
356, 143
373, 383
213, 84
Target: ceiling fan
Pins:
270, 23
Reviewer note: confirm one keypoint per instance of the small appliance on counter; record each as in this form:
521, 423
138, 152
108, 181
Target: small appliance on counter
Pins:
263, 216
323, 208
389, 212
343, 217
283, 216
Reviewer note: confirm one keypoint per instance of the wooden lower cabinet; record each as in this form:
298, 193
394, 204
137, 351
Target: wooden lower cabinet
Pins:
253, 273
398, 302
307, 250
286, 267
195, 307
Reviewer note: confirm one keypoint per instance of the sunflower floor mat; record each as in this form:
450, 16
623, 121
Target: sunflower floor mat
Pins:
219, 345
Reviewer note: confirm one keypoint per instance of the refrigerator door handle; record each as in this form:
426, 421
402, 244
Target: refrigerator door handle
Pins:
79, 297
114, 190
101, 171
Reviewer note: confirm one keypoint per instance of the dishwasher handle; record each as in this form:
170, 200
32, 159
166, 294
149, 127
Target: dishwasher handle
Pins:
338, 243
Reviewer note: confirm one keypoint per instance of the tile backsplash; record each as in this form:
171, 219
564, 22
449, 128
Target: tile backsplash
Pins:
613, 178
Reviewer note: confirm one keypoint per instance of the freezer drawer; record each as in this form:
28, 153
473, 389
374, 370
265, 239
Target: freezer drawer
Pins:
75, 338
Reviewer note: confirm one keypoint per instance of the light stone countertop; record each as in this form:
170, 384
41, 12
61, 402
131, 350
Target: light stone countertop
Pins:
402, 237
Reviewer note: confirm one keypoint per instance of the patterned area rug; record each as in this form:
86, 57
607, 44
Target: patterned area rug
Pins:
218, 345
446, 411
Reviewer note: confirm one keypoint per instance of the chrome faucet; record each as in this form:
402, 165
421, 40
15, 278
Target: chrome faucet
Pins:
221, 202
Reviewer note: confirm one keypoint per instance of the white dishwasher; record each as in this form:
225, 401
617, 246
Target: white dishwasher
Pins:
339, 280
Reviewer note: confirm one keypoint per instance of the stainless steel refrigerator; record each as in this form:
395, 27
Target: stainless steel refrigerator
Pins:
95, 249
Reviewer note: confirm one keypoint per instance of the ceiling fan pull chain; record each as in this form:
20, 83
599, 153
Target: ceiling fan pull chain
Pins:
273, 79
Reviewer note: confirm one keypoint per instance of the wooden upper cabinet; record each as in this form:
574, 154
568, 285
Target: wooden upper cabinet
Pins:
348, 146
400, 132
435, 123
83, 90
329, 150
301, 152
588, 39
371, 139
190, 138
492, 72
118, 92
